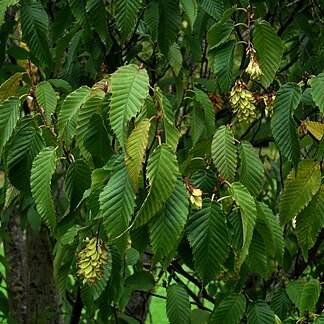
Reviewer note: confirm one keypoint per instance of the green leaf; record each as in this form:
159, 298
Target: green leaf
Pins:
282, 124
84, 114
177, 305
175, 58
245, 201
260, 313
96, 140
46, 99
190, 7
129, 87
266, 216
78, 9
224, 153
125, 12
68, 115
197, 124
136, 149
317, 86
117, 202
280, 303
24, 146
204, 179
269, 50
162, 172
223, 65
69, 236
310, 222
169, 24
167, 227
43, 168
9, 87
257, 257
140, 280
34, 25
230, 310
209, 112
208, 236
251, 169
214, 8
9, 115
299, 189
98, 19
219, 33
4, 5
304, 294
77, 181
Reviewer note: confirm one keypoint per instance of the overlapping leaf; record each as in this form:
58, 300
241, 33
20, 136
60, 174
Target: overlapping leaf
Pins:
34, 25
171, 133
299, 189
219, 33
310, 222
282, 124
68, 116
245, 201
4, 5
125, 12
190, 7
266, 217
24, 146
260, 313
304, 294
77, 180
136, 148
224, 153
317, 86
208, 236
175, 58
251, 169
9, 87
117, 202
162, 172
46, 98
269, 50
9, 115
223, 65
177, 304
166, 228
169, 24
129, 87
214, 8
230, 310
40, 181
280, 303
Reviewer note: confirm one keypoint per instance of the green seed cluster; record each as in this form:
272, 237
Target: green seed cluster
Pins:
91, 260
243, 102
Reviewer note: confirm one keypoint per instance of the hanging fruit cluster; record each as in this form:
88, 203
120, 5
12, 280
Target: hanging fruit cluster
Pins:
92, 259
195, 196
243, 102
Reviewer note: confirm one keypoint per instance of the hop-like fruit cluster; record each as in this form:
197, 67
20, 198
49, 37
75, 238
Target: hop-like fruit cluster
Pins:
195, 196
253, 69
268, 100
243, 102
91, 260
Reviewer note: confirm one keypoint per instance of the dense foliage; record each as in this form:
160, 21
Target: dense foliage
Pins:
172, 148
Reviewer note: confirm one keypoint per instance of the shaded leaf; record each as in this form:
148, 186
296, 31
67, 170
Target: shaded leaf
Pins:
282, 124
299, 189
224, 153
269, 50
208, 236
40, 181
317, 86
177, 305
9, 87
260, 313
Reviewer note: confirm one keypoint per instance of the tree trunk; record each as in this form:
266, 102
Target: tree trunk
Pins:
33, 297
43, 297
17, 278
